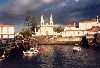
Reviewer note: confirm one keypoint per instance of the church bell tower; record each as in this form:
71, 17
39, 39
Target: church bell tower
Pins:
51, 20
97, 19
42, 20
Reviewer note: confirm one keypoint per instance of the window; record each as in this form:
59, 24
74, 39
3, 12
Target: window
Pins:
8, 36
1, 36
78, 32
42, 23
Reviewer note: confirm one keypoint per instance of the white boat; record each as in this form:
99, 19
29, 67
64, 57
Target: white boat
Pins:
76, 45
1, 59
76, 48
31, 52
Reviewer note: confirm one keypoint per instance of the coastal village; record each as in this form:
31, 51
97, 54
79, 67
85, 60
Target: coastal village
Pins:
88, 28
72, 32
72, 35
49, 34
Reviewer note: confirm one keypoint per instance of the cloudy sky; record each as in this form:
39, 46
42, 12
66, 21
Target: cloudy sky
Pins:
64, 11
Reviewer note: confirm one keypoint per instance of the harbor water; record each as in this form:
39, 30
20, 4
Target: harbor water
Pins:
57, 56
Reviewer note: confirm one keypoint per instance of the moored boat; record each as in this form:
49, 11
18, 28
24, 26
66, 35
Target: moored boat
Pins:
76, 48
4, 56
32, 52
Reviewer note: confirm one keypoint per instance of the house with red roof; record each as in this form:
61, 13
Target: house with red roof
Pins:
85, 28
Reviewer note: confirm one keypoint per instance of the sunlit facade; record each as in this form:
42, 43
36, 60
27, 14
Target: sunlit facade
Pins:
6, 31
45, 29
70, 30
85, 28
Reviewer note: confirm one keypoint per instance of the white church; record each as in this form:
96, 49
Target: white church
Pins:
45, 29
70, 30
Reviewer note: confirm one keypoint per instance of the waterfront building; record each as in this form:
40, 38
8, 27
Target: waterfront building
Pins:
71, 30
92, 32
6, 31
87, 24
85, 28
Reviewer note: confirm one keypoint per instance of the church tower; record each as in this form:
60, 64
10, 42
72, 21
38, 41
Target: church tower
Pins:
97, 19
42, 20
51, 20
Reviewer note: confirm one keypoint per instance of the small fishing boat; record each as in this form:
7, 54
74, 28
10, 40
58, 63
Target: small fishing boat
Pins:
76, 48
32, 52
3, 57
76, 44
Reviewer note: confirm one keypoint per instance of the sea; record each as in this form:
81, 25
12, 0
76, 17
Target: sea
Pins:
57, 56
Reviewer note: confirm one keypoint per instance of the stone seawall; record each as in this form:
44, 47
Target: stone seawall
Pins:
56, 41
61, 43
70, 39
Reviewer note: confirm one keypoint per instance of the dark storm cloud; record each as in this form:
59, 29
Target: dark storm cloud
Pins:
64, 11
15, 9
78, 11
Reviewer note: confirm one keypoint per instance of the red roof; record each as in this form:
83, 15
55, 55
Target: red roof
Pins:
70, 25
1, 25
91, 35
94, 30
88, 21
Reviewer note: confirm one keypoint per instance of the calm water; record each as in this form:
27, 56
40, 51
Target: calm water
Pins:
58, 57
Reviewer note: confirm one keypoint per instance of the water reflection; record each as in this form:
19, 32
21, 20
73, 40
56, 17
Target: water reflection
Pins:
57, 56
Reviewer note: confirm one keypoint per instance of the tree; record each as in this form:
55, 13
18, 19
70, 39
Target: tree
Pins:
30, 21
26, 33
18, 37
59, 29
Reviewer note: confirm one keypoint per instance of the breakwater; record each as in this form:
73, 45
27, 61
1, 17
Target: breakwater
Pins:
83, 41
56, 41
60, 43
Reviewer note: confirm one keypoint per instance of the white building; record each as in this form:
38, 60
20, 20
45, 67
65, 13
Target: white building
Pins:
6, 31
45, 29
89, 24
70, 30
85, 27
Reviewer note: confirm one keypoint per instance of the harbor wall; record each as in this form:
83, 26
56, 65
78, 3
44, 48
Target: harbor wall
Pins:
70, 39
57, 41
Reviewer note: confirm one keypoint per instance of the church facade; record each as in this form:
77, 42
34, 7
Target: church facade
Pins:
45, 28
